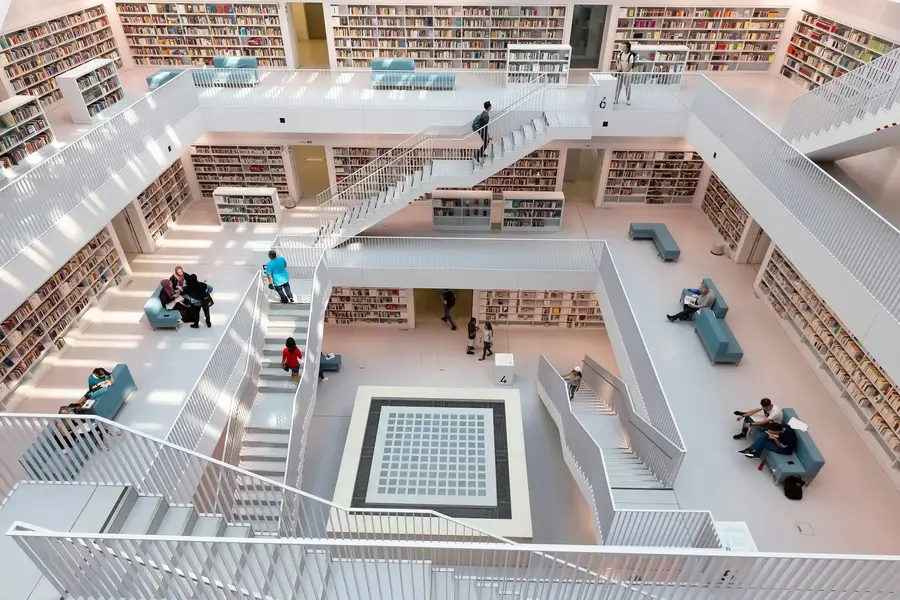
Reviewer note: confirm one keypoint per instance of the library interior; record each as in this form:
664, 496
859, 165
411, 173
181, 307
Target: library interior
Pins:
391, 299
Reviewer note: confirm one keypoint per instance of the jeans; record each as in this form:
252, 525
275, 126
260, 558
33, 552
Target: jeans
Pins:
748, 421
623, 80
763, 442
486, 350
284, 292
447, 316
572, 390
480, 154
684, 314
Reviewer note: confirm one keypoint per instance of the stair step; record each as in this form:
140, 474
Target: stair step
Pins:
237, 531
146, 514
264, 453
528, 131
264, 468
539, 126
417, 179
518, 137
178, 520
276, 373
285, 386
208, 526
297, 323
98, 511
258, 497
277, 308
258, 511
275, 349
279, 337
266, 439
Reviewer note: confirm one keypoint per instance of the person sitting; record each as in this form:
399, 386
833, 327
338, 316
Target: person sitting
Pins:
68, 431
770, 414
174, 301
98, 383
177, 280
779, 438
704, 299
197, 292
573, 380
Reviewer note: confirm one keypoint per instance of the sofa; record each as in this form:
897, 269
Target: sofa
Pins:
719, 342
161, 77
805, 462
44, 460
666, 248
719, 307
401, 73
332, 364
229, 71
157, 314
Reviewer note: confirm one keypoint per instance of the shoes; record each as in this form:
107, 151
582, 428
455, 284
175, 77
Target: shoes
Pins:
209, 323
748, 453
628, 103
444, 319
738, 413
670, 318
739, 436
453, 328
195, 325
470, 352
481, 359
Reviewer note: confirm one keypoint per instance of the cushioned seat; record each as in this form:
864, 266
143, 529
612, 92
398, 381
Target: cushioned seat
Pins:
162, 76
805, 462
157, 315
393, 64
228, 71
718, 340
666, 247
234, 62
330, 364
108, 403
719, 307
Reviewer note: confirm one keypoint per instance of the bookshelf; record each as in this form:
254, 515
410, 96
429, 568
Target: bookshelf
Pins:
718, 39
91, 89
237, 205
725, 212
24, 129
390, 307
194, 33
533, 211
837, 354
32, 57
461, 210
538, 308
551, 60
38, 326
440, 37
667, 62
239, 166
653, 177
164, 200
822, 48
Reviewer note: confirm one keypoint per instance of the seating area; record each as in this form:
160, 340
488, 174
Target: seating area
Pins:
241, 72
805, 462
716, 336
157, 314
666, 248
400, 73
332, 364
719, 307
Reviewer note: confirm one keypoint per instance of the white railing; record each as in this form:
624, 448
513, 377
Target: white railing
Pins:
85, 565
866, 90
32, 451
858, 238
215, 387
585, 458
305, 397
33, 203
662, 457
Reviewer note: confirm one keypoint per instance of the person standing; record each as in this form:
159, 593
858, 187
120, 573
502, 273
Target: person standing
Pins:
198, 293
472, 331
480, 124
573, 380
290, 359
449, 300
624, 66
279, 279
487, 340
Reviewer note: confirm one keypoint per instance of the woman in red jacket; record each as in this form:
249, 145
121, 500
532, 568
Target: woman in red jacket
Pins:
290, 359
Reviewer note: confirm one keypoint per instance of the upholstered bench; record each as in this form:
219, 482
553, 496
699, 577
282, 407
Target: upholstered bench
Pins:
400, 73
666, 247
719, 307
717, 338
229, 71
805, 462
157, 314
161, 77
332, 364
108, 403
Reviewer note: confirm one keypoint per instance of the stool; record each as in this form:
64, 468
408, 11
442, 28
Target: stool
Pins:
504, 368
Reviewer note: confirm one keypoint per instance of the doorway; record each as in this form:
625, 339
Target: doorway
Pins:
308, 23
580, 178
126, 226
759, 246
312, 169
586, 37
430, 307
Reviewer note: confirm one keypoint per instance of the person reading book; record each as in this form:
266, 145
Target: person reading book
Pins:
779, 438
692, 304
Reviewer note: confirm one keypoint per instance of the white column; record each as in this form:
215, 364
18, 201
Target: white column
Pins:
288, 157
604, 176
115, 24
702, 185
287, 35
191, 176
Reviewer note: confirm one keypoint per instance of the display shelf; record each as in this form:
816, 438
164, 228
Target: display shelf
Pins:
822, 49
371, 306
544, 308
440, 37
725, 212
39, 325
653, 177
24, 129
32, 57
533, 211
874, 397
664, 62
164, 200
236, 205
462, 210
719, 39
193, 34
91, 90
550, 60
239, 166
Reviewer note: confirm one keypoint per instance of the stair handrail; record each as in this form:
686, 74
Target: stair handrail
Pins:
112, 453
376, 164
370, 184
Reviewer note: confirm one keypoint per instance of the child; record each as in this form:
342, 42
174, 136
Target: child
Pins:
473, 331
487, 338
290, 359
573, 379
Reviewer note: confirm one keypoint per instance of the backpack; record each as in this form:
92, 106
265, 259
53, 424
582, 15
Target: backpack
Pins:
793, 488
450, 298
477, 123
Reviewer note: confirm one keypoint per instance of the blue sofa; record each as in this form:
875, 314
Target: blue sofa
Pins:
161, 77
332, 364
401, 73
229, 71
157, 315
719, 307
666, 248
805, 462
44, 460
717, 338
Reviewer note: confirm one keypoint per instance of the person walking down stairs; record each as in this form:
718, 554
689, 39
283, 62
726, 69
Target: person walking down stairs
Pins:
279, 279
290, 359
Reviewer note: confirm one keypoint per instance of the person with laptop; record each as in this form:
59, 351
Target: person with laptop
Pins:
780, 439
692, 303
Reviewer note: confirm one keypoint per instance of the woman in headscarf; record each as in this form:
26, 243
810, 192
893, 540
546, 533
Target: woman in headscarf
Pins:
177, 279
173, 301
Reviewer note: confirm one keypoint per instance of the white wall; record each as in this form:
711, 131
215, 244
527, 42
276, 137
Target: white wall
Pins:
26, 12
881, 17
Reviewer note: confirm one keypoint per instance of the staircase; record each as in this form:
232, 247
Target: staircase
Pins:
427, 161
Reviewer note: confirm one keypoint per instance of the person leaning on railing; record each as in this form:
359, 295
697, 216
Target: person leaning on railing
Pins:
624, 66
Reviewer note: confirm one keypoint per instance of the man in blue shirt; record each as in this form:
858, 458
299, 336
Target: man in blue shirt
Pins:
778, 438
276, 271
